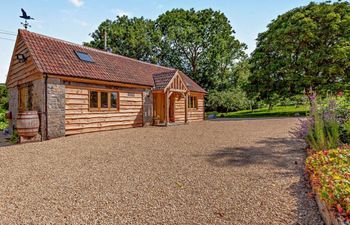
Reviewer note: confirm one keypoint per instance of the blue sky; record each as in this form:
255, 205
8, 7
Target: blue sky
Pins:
73, 20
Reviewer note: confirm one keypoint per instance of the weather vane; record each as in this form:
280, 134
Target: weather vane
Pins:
26, 18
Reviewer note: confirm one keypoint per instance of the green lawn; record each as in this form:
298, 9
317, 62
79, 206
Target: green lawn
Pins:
277, 111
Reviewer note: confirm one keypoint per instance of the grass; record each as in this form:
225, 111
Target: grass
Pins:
277, 111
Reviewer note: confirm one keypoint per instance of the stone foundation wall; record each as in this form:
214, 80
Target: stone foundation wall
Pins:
56, 108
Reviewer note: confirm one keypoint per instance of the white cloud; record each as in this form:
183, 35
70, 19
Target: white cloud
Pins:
121, 12
77, 3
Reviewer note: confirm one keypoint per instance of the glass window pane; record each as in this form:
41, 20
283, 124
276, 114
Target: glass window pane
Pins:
114, 97
104, 100
93, 99
84, 56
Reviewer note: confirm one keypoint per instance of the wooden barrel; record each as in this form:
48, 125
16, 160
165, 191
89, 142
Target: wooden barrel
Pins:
27, 123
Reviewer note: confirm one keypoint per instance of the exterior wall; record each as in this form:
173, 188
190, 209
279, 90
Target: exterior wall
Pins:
78, 118
55, 108
179, 108
147, 108
13, 106
38, 104
22, 72
197, 114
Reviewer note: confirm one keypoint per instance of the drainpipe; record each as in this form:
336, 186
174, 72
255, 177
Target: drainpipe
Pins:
46, 114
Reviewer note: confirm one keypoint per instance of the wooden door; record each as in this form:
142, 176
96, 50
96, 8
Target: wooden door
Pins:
172, 108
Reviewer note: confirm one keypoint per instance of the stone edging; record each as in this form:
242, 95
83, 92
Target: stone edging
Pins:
327, 215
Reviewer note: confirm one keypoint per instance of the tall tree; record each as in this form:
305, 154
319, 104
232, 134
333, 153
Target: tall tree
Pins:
132, 37
307, 48
200, 43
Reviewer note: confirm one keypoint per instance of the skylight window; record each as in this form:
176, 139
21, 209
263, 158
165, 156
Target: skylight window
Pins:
84, 56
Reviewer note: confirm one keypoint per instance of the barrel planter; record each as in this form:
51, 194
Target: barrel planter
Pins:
27, 124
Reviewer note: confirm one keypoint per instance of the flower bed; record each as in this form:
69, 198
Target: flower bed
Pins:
330, 177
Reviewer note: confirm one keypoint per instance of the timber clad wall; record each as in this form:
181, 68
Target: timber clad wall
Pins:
179, 108
21, 73
79, 119
197, 114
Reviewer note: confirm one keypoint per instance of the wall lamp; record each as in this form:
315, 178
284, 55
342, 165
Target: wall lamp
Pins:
21, 58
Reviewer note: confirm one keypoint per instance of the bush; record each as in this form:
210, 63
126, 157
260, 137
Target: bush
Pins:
225, 101
330, 174
3, 120
4, 100
327, 126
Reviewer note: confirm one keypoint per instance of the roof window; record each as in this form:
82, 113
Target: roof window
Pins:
84, 56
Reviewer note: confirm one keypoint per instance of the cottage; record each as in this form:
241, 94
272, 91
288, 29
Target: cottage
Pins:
76, 89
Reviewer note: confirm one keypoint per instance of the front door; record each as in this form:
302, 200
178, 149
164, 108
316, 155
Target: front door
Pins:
172, 108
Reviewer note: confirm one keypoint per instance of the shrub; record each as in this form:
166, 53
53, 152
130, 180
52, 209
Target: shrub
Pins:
327, 126
330, 174
3, 121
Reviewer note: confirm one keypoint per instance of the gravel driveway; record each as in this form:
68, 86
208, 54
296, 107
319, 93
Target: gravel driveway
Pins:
212, 172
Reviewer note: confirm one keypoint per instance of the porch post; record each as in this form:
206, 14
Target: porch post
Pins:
186, 107
166, 107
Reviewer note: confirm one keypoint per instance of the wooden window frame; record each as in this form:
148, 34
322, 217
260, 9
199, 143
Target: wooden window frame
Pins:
192, 102
109, 109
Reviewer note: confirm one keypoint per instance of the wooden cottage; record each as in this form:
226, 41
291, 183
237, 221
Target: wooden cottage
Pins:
76, 89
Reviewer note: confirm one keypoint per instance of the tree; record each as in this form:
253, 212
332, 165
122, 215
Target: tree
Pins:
4, 100
200, 43
305, 49
132, 37
225, 101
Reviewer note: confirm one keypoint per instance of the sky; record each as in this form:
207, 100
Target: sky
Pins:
74, 20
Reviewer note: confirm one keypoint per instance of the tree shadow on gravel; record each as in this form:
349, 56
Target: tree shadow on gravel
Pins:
279, 152
285, 154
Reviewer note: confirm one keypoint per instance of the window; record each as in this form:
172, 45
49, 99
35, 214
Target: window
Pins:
192, 102
84, 56
93, 99
103, 101
113, 100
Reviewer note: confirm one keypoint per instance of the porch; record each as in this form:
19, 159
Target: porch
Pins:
170, 99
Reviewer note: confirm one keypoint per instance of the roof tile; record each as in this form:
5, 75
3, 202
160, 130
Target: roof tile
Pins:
57, 57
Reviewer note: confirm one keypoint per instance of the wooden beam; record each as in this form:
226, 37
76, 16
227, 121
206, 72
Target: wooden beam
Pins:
91, 81
177, 90
166, 108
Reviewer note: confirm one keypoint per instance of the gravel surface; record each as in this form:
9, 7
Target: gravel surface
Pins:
212, 172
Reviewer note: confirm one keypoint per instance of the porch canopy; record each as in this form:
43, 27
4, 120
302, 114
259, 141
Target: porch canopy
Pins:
167, 84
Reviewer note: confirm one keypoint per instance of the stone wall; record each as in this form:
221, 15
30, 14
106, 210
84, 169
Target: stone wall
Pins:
147, 107
55, 108
38, 104
13, 106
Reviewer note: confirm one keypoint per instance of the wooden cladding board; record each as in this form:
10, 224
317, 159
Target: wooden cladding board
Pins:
197, 114
193, 114
22, 72
179, 108
78, 118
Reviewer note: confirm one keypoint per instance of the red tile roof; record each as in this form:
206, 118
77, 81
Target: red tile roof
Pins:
54, 56
161, 80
